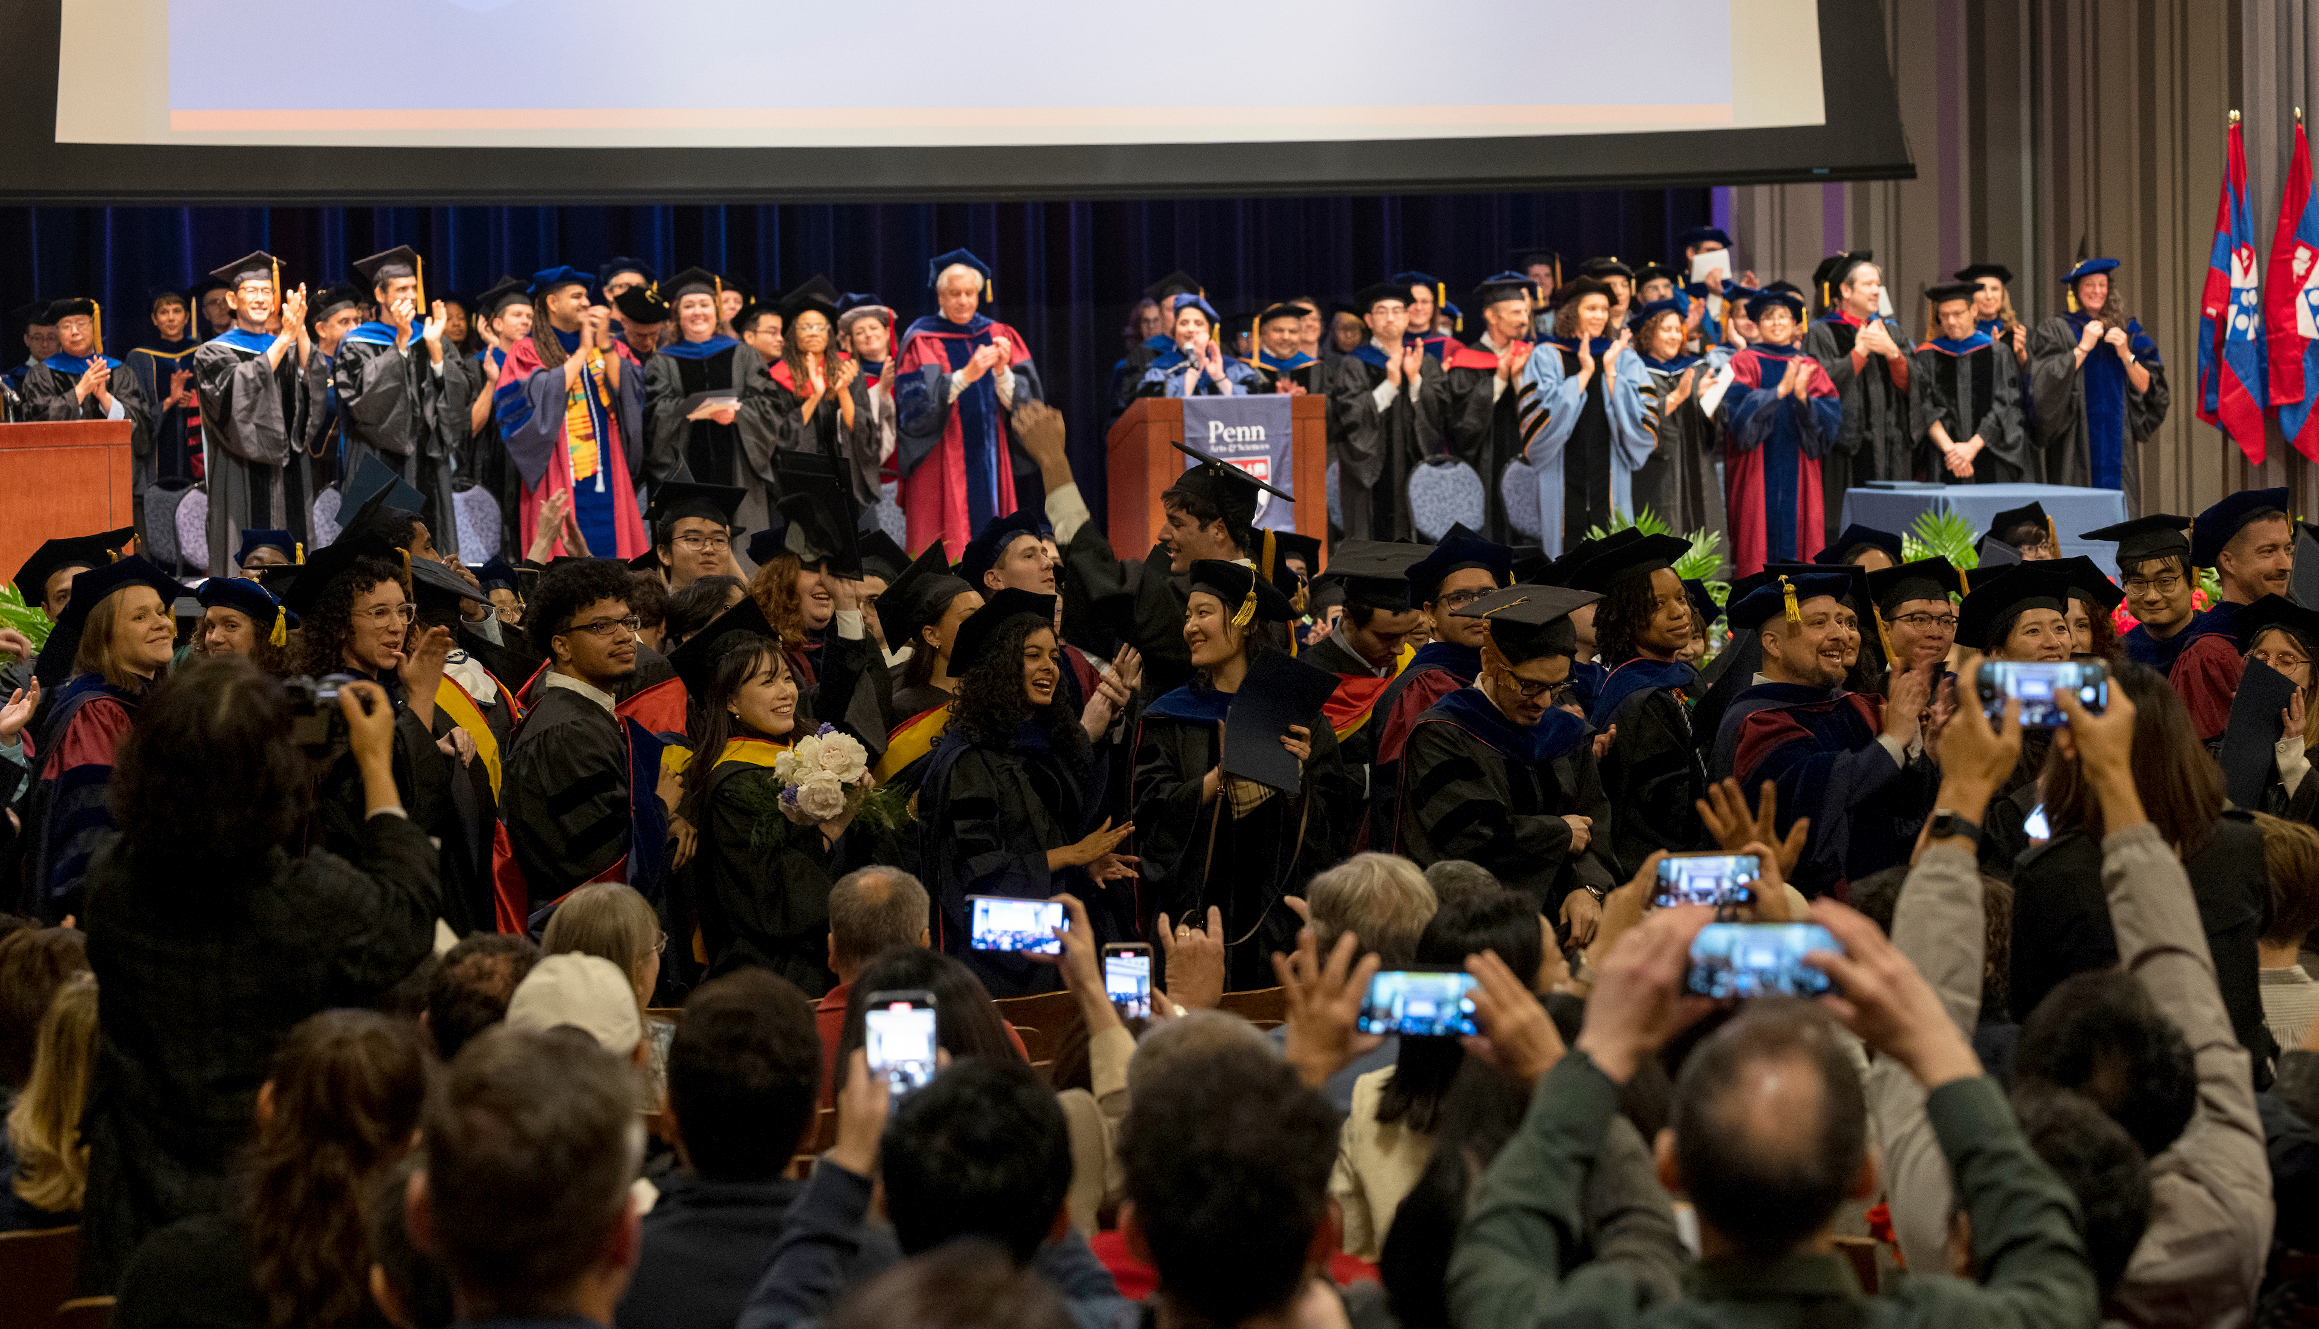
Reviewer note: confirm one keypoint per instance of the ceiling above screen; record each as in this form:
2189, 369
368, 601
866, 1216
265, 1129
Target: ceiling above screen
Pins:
186, 100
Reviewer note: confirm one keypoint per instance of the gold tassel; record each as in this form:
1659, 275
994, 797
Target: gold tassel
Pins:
301, 547
990, 291
1246, 613
419, 276
97, 326
277, 263
1964, 587
1788, 601
1883, 635
280, 636
2052, 536
410, 592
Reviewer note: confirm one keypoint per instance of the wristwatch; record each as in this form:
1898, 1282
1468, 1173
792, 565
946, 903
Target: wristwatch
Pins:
1947, 824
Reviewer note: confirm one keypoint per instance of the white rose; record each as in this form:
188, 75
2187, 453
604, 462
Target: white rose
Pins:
808, 756
821, 798
784, 766
843, 756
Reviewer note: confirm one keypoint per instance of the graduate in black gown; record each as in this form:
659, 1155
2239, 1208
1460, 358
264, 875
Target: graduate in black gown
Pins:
1500, 776
253, 404
1382, 417
389, 378
1679, 482
2284, 636
1280, 360
1207, 838
158, 364
820, 401
1012, 801
1965, 400
726, 439
1485, 393
923, 611
2160, 586
1651, 773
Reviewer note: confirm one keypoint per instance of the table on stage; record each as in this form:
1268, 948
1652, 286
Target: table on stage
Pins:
2072, 509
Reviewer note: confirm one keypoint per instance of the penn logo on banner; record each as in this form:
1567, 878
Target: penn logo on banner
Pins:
1219, 432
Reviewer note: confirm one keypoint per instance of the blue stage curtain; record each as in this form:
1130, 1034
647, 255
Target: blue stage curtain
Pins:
1066, 272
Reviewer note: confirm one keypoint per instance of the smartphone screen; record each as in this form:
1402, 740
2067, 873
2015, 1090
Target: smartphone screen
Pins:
1419, 1003
2038, 684
1127, 981
1002, 923
1758, 960
898, 1039
1714, 879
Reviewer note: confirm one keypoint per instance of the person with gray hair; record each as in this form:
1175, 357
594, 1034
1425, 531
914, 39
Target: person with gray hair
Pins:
1455, 879
871, 910
1385, 901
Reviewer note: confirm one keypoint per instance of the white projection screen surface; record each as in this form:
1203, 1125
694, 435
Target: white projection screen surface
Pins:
464, 99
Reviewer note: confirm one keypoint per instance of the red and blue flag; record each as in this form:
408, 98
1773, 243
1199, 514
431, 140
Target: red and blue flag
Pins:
2291, 306
2232, 385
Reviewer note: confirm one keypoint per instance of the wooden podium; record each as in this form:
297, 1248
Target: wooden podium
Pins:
1144, 461
61, 479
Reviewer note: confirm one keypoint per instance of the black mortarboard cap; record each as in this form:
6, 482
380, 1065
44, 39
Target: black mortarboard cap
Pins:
2008, 522
1655, 271
1756, 600
764, 544
1640, 557
89, 551
2086, 581
1175, 283
918, 597
1764, 299
1857, 537
254, 539
815, 293
1856, 589
1835, 268
334, 298
386, 266
682, 498
881, 557
957, 258
688, 282
1702, 599
1291, 545
1232, 583
611, 268
1367, 297
1504, 286
1699, 235
2216, 526
1926, 579
983, 624
1936, 296
440, 584
1460, 548
1375, 573
1231, 488
496, 573
249, 267
72, 306
2303, 577
1609, 266
642, 306
1995, 553
695, 662
1977, 271
314, 576
2159, 535
820, 509
2277, 611
989, 544
378, 491
1274, 313
55, 662
1999, 598
1527, 622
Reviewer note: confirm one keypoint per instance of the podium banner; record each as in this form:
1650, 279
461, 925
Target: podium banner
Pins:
1252, 433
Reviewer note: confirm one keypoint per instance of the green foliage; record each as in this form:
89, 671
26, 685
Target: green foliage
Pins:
2210, 581
1702, 563
881, 809
1948, 535
27, 619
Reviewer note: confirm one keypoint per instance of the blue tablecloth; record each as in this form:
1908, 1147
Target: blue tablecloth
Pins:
2073, 510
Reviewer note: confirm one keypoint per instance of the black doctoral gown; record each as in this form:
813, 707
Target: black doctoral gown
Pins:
391, 404
702, 451
1679, 482
1652, 774
854, 451
1476, 786
1877, 440
1108, 600
767, 908
47, 394
438, 796
1241, 860
1374, 450
566, 794
253, 422
1971, 389
1483, 425
176, 433
480, 455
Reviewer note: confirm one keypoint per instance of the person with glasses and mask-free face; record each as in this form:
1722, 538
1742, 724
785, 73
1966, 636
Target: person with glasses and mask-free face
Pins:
1919, 617
583, 791
1500, 776
692, 531
1458, 571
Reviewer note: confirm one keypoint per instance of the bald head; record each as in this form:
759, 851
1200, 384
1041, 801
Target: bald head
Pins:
1770, 1128
873, 910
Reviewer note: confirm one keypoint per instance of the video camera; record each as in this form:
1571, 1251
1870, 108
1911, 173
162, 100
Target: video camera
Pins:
316, 723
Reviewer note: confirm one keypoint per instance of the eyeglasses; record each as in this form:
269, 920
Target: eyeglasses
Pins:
660, 944
697, 543
2279, 660
1923, 622
1456, 600
1528, 690
381, 613
605, 627
2162, 585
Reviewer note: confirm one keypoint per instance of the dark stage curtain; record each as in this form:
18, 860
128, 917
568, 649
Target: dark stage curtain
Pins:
1066, 273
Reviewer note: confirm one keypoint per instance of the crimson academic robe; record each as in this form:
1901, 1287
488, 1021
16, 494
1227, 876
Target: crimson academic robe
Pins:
1825, 758
960, 466
584, 440
2207, 666
1773, 450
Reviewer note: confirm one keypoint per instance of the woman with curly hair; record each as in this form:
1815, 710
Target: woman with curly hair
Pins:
339, 1109
1212, 839
2097, 387
1013, 795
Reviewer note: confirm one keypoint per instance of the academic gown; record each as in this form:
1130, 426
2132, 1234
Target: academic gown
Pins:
762, 909
573, 808
959, 463
1438, 669
987, 815
1301, 369
1479, 787
1679, 482
481, 454
1586, 441
392, 403
1875, 440
1774, 450
2144, 649
585, 440
1108, 600
68, 812
177, 430
1970, 387
254, 426
1652, 773
1482, 418
2090, 420
853, 451
702, 451
1127, 372
2207, 667
1243, 861
1823, 753
1374, 449
1164, 377
47, 394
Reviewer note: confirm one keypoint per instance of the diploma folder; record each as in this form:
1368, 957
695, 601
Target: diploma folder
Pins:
2250, 740
717, 399
1279, 691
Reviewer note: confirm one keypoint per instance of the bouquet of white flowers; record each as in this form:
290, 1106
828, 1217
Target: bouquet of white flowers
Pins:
823, 776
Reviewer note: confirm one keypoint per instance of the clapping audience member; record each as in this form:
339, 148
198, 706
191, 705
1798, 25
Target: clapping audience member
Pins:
48, 1165
471, 986
742, 1071
339, 1108
200, 894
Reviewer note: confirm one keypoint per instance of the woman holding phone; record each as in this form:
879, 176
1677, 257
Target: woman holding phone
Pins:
1012, 798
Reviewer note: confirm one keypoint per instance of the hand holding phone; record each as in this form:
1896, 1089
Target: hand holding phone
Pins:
1419, 1002
1127, 978
898, 1037
1721, 880
1758, 960
1005, 923
2038, 684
